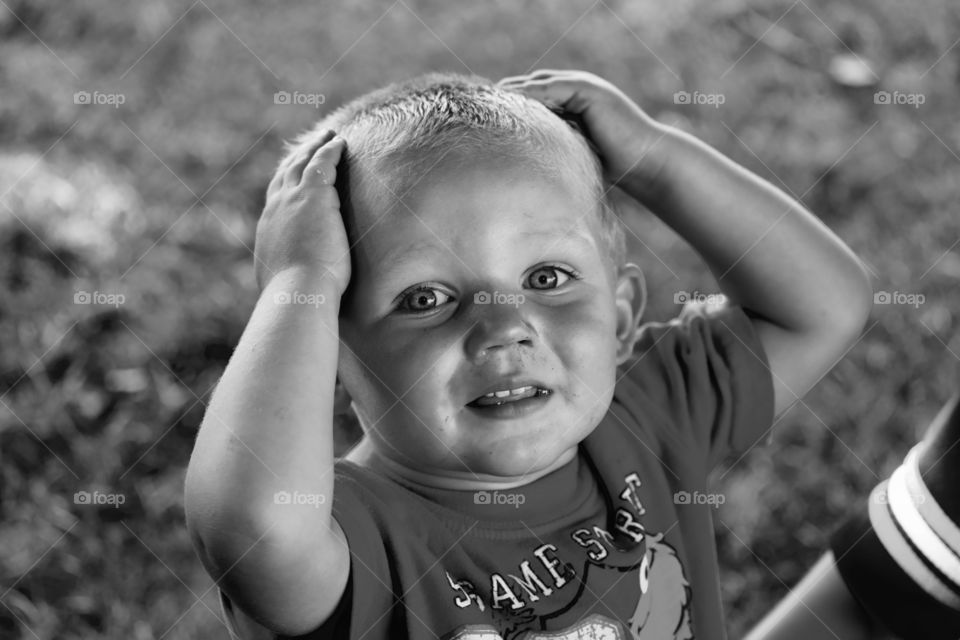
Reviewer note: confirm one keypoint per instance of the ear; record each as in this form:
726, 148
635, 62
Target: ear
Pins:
631, 300
341, 399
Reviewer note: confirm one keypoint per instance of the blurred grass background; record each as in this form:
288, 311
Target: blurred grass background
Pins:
156, 199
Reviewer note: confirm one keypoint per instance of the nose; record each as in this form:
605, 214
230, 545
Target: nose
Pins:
498, 327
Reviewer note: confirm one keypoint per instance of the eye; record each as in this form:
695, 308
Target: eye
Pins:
548, 277
422, 299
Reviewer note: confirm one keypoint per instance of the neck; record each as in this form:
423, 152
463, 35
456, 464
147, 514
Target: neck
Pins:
366, 455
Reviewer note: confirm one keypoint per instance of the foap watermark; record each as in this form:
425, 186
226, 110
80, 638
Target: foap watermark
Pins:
899, 297
499, 497
98, 298
299, 98
98, 498
498, 297
297, 498
710, 99
299, 297
683, 297
99, 98
879, 496
898, 97
685, 498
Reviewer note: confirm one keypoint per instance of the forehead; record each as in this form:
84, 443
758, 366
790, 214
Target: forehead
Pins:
455, 180
463, 198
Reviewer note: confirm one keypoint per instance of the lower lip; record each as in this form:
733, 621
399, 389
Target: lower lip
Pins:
515, 409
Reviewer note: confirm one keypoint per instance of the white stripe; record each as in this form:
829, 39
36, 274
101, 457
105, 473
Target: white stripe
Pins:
932, 513
902, 554
918, 531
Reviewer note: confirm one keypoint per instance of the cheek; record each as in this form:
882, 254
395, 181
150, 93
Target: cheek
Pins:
414, 372
589, 330
585, 339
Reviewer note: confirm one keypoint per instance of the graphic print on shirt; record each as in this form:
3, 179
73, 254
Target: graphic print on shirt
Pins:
631, 570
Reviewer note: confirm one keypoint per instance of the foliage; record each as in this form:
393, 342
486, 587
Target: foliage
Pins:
156, 200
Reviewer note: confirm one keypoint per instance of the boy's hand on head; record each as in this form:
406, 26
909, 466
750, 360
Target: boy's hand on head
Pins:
808, 295
624, 135
301, 225
268, 428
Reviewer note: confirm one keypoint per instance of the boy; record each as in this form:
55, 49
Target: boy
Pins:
532, 465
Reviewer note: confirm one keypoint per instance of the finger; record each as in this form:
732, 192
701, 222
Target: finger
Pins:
546, 74
322, 168
275, 181
568, 94
511, 80
279, 175
294, 172
540, 74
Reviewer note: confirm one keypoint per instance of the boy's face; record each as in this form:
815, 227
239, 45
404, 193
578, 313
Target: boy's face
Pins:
467, 287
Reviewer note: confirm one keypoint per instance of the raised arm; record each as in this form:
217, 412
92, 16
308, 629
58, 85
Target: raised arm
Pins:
259, 487
808, 294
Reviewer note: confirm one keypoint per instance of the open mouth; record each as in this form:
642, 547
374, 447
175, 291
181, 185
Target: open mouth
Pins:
505, 396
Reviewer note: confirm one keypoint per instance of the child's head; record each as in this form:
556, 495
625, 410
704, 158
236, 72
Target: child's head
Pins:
485, 257
398, 134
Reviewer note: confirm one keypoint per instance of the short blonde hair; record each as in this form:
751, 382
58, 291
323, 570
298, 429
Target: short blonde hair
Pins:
395, 133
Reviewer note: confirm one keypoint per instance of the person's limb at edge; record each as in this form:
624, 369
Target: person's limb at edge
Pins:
819, 607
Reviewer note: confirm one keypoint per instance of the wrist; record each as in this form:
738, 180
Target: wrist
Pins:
304, 285
649, 176
666, 164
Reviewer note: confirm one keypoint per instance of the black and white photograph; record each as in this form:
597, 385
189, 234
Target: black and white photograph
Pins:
422, 320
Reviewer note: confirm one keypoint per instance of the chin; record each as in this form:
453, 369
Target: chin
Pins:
519, 463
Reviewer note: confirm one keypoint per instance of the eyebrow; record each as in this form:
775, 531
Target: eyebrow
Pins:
558, 242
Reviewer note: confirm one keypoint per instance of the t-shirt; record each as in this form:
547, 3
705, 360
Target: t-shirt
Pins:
617, 544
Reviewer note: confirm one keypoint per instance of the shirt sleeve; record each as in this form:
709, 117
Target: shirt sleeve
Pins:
706, 374
242, 627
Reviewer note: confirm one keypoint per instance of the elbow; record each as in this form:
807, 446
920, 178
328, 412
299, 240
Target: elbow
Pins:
227, 527
229, 542
213, 530
220, 526
859, 300
845, 312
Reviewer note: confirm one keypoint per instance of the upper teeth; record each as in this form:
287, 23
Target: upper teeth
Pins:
504, 394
